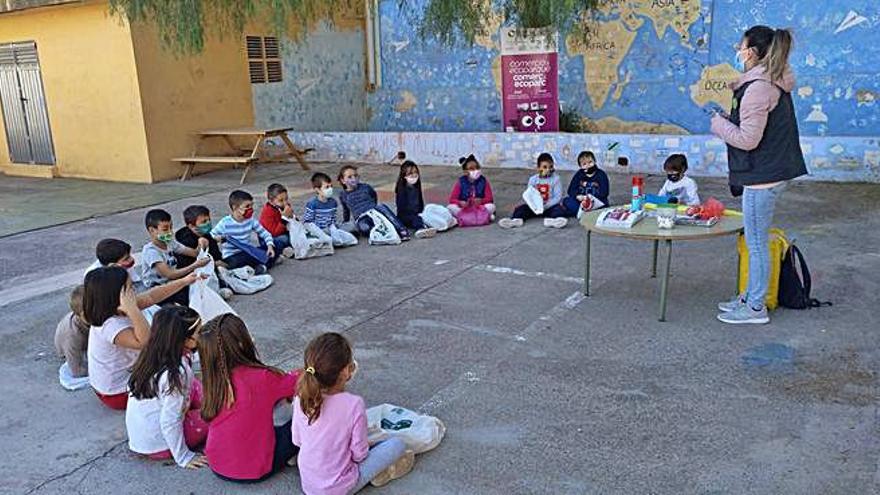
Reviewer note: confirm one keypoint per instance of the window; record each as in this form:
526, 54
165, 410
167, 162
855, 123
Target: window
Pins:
264, 59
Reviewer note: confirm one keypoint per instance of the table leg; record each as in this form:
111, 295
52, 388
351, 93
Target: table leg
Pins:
257, 153
247, 170
587, 265
294, 151
187, 173
664, 283
654, 262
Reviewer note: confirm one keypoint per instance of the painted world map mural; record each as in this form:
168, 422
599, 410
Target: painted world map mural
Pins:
650, 66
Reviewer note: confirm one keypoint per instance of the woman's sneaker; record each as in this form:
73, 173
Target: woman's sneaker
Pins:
426, 233
732, 305
510, 223
399, 469
556, 223
745, 315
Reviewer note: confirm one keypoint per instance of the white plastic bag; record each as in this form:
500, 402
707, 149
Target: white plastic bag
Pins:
70, 382
383, 232
419, 432
208, 271
594, 204
438, 217
243, 281
305, 243
206, 301
342, 238
533, 198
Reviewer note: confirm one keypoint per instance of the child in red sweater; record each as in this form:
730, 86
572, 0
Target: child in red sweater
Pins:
272, 217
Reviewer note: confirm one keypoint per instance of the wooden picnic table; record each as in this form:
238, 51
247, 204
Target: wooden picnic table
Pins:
249, 156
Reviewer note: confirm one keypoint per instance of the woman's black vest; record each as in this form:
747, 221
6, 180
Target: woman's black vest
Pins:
778, 156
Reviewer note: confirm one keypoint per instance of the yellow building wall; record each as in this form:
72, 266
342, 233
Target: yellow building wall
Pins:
91, 88
182, 94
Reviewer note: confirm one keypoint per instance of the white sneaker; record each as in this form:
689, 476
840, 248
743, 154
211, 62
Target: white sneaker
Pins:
556, 223
426, 233
399, 469
510, 223
287, 252
226, 293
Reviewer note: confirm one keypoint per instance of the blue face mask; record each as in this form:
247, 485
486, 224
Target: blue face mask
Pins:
740, 63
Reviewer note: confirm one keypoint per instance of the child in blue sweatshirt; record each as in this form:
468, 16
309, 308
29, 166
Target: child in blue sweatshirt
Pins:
358, 198
590, 183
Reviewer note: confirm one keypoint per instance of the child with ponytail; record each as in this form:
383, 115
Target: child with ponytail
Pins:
240, 394
330, 427
162, 417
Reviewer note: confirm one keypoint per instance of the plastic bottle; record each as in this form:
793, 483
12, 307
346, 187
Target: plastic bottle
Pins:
638, 193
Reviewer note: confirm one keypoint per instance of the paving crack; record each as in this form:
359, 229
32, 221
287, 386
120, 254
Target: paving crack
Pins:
88, 464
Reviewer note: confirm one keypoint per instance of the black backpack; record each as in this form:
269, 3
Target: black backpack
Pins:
795, 282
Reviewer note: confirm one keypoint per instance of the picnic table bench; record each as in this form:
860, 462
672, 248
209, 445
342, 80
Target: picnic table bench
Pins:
248, 157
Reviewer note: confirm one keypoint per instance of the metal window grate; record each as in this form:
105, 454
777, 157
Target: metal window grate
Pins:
264, 59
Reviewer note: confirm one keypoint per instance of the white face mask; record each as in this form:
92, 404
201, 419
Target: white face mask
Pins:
412, 180
474, 174
328, 192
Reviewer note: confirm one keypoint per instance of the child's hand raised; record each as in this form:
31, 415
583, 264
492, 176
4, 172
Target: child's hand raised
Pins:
287, 211
128, 301
197, 462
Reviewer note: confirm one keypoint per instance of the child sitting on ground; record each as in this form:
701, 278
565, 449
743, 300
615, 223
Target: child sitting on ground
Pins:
234, 234
330, 426
678, 188
410, 202
272, 217
590, 183
240, 393
472, 189
320, 211
198, 226
547, 182
158, 255
72, 341
113, 252
162, 418
358, 198
119, 329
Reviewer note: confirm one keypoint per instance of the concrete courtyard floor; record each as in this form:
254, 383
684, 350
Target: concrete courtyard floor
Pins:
541, 389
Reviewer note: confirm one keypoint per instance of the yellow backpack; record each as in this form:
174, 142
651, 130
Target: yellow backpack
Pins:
778, 247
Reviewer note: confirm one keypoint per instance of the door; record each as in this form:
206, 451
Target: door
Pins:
24, 105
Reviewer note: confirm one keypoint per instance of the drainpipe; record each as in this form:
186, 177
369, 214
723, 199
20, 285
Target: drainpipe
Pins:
374, 45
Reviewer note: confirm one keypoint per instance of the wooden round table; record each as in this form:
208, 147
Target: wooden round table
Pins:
647, 230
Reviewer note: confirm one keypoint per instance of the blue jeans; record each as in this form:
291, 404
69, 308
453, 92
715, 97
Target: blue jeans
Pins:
381, 455
758, 205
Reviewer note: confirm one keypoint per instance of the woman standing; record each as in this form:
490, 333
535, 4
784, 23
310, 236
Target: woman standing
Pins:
763, 152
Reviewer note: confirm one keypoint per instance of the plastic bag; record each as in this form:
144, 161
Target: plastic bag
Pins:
419, 432
305, 243
533, 198
243, 281
438, 217
474, 216
383, 232
712, 208
208, 271
588, 205
342, 238
70, 382
206, 301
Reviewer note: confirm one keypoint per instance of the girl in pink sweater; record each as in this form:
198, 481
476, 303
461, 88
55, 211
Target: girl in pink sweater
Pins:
330, 427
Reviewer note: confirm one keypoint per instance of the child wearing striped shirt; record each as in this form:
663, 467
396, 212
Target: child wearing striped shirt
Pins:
234, 233
321, 210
